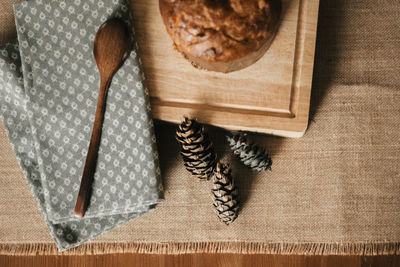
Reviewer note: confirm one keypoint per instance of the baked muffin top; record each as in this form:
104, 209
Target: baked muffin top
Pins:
220, 30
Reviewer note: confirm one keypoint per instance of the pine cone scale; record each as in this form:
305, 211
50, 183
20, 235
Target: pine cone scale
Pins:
250, 154
225, 194
196, 149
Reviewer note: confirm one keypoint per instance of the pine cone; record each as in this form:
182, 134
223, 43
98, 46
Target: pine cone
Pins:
250, 154
225, 194
196, 149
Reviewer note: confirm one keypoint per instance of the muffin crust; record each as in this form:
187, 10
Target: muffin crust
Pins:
221, 35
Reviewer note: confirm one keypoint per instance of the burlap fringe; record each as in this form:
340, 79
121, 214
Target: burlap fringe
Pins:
383, 248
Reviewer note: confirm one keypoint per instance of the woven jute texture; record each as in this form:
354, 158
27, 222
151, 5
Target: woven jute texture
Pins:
334, 191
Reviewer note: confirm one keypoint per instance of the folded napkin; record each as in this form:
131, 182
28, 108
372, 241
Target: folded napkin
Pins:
49, 86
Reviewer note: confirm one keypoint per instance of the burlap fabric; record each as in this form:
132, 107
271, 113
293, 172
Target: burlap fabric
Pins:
334, 191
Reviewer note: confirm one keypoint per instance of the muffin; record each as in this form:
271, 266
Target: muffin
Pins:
221, 35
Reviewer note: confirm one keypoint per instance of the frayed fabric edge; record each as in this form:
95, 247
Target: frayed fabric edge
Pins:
361, 248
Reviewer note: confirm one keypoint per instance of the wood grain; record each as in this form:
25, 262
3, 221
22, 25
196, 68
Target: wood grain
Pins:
271, 96
198, 260
111, 48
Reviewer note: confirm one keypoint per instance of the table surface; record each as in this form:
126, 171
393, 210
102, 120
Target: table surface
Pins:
198, 260
329, 41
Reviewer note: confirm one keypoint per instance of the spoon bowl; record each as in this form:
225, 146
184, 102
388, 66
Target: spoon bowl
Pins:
111, 47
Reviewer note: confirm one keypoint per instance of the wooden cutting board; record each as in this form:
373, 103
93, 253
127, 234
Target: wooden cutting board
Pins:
271, 96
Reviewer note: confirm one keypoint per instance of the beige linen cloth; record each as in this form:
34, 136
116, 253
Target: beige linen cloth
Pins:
334, 191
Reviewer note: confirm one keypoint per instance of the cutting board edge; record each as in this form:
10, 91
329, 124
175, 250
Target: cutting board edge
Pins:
292, 125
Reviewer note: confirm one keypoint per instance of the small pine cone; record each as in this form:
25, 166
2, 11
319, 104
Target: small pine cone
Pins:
225, 194
196, 149
250, 154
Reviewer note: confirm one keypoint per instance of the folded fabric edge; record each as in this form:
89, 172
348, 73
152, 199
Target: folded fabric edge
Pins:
174, 248
149, 204
70, 217
145, 204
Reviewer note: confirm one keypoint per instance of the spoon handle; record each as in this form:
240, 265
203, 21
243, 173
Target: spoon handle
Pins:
85, 190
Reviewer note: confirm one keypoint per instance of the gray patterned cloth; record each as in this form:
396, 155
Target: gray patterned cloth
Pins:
49, 86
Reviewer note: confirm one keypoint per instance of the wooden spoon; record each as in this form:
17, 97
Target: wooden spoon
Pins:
111, 47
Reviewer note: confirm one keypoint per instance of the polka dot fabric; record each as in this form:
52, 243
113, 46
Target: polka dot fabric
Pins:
48, 94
